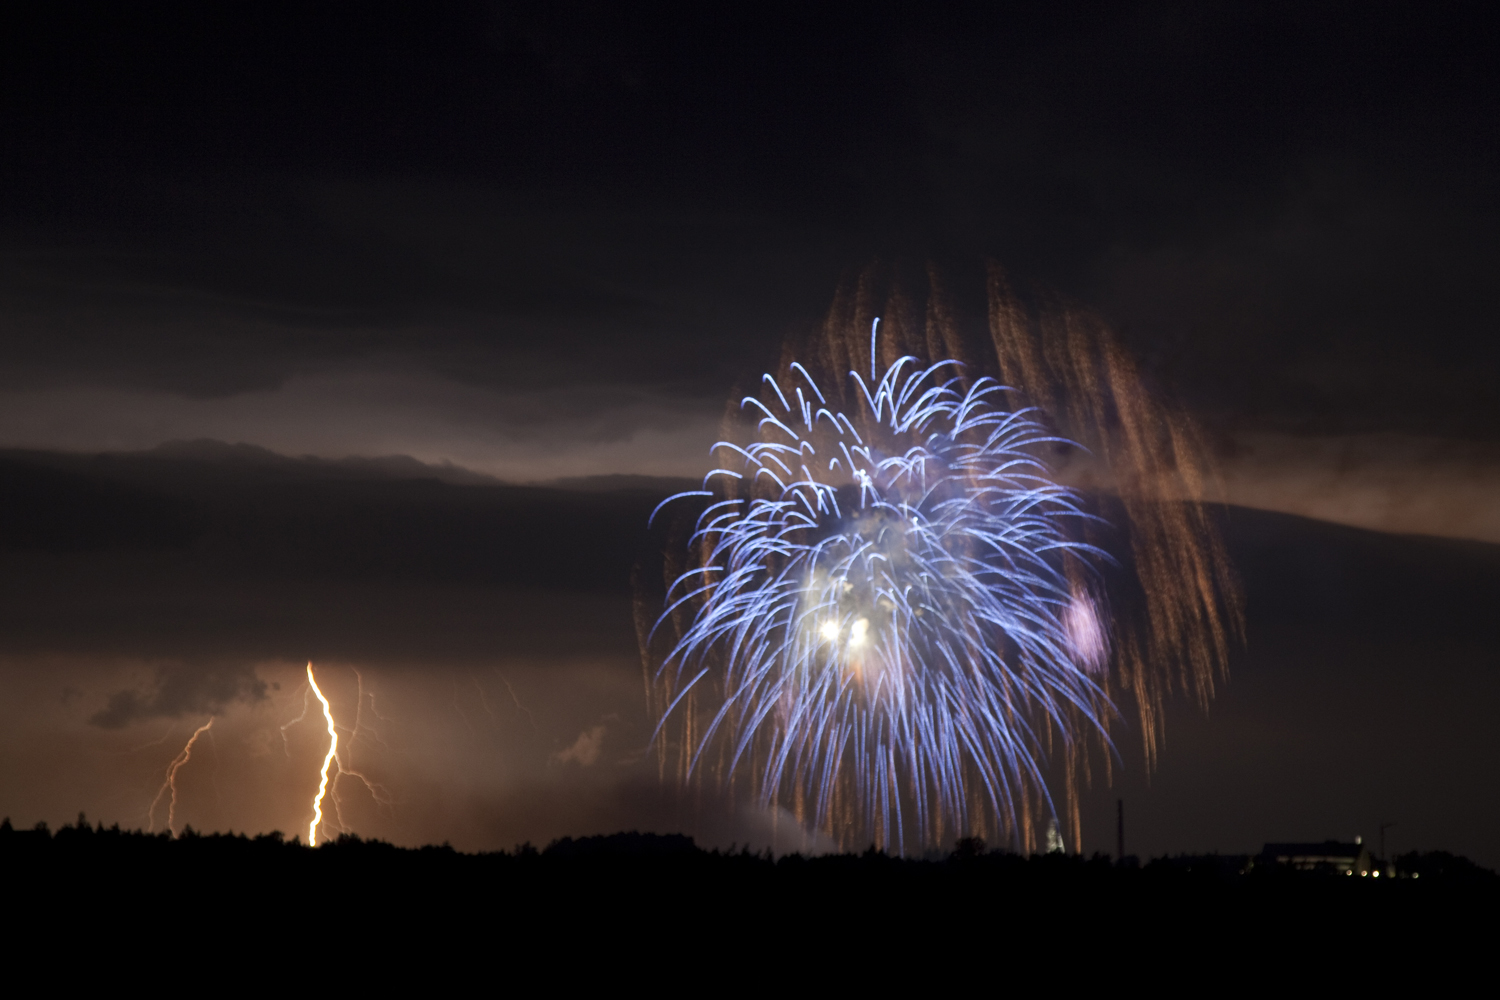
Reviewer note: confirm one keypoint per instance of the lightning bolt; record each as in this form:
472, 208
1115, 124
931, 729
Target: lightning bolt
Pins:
333, 749
520, 707
169, 785
337, 762
377, 791
285, 746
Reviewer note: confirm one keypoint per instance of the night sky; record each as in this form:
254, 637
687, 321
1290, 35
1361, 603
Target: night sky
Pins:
372, 333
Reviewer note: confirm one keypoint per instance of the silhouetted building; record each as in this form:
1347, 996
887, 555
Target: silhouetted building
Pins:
1331, 856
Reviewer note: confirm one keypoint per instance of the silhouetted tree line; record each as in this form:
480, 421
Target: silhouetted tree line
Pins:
101, 852
245, 904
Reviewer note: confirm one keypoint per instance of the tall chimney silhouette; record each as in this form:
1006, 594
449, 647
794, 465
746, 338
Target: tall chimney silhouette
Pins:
1120, 829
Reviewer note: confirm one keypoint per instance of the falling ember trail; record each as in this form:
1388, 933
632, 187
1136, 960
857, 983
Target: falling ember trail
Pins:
170, 784
333, 749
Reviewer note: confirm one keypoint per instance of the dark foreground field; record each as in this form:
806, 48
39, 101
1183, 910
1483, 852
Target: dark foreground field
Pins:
107, 890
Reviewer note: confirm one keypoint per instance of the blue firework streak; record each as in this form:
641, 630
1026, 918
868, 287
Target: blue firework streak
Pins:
894, 604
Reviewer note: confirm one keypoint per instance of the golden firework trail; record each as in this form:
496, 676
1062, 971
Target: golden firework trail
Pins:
169, 785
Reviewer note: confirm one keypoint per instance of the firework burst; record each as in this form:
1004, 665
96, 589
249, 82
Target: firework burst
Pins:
892, 612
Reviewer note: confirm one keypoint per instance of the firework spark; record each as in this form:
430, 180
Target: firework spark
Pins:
892, 610
902, 592
169, 783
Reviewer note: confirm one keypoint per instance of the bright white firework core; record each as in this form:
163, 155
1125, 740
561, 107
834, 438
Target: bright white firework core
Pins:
857, 633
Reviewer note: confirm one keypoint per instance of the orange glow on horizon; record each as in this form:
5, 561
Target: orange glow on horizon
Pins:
333, 748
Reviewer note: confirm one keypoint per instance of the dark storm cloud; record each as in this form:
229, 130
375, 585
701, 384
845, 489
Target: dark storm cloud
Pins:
215, 555
1350, 306
459, 282
180, 688
1286, 207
